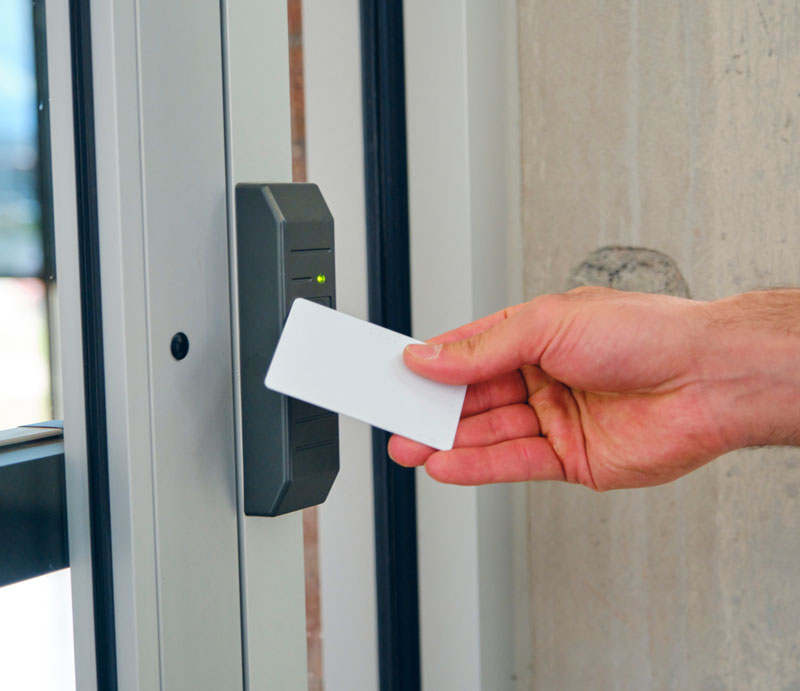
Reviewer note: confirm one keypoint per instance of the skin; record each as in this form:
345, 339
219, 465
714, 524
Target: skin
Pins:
613, 390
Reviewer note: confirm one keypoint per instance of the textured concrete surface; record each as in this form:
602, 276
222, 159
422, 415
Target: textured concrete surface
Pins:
669, 125
636, 269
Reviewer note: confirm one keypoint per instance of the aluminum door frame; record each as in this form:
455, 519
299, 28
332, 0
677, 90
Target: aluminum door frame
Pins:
70, 339
258, 135
335, 161
175, 124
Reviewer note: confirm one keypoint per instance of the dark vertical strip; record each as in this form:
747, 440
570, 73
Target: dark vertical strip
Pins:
92, 328
43, 171
390, 306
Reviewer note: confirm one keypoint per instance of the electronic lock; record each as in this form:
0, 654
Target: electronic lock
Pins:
284, 251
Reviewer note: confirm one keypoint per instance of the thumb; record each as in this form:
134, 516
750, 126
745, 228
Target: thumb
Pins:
502, 348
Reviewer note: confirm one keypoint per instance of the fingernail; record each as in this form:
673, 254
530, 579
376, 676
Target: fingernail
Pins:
424, 351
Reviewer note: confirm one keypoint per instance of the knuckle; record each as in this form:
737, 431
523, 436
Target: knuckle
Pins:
484, 396
473, 346
587, 293
497, 427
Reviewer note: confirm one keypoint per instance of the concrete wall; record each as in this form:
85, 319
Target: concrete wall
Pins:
674, 126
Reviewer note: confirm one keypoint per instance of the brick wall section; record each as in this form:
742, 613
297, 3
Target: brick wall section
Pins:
310, 524
296, 92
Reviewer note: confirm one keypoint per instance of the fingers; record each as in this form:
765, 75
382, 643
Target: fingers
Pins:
559, 416
502, 444
554, 405
506, 345
517, 460
408, 453
501, 391
492, 427
497, 425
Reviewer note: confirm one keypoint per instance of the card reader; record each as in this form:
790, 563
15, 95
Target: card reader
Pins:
284, 251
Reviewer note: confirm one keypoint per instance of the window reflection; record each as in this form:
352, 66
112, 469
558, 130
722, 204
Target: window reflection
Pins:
21, 246
26, 280
36, 634
36, 648
24, 353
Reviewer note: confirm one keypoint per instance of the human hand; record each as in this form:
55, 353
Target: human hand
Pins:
598, 387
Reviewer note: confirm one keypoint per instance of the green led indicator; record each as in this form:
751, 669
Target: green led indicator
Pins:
321, 278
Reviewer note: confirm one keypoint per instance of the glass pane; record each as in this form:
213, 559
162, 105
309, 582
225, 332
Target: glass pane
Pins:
24, 353
21, 247
36, 647
36, 634
27, 274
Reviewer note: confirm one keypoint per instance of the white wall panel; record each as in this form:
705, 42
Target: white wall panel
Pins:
334, 141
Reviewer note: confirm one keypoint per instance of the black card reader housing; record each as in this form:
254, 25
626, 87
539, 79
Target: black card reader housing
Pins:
284, 251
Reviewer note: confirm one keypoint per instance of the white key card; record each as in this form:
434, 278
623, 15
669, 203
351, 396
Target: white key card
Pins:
355, 368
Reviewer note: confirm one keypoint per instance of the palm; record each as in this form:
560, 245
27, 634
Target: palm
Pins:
636, 440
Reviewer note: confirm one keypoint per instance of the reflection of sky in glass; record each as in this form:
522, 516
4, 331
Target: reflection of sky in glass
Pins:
20, 237
17, 74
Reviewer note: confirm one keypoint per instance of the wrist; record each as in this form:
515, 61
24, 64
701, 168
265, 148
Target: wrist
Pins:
750, 355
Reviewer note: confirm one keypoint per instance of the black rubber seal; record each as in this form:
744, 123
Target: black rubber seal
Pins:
92, 329
386, 189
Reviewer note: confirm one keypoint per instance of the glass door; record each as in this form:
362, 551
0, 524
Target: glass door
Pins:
36, 627
27, 261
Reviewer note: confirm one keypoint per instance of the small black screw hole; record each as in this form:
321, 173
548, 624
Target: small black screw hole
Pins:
179, 345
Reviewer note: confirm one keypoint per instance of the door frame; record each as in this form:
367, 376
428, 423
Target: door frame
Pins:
335, 161
70, 336
258, 136
175, 127
464, 190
